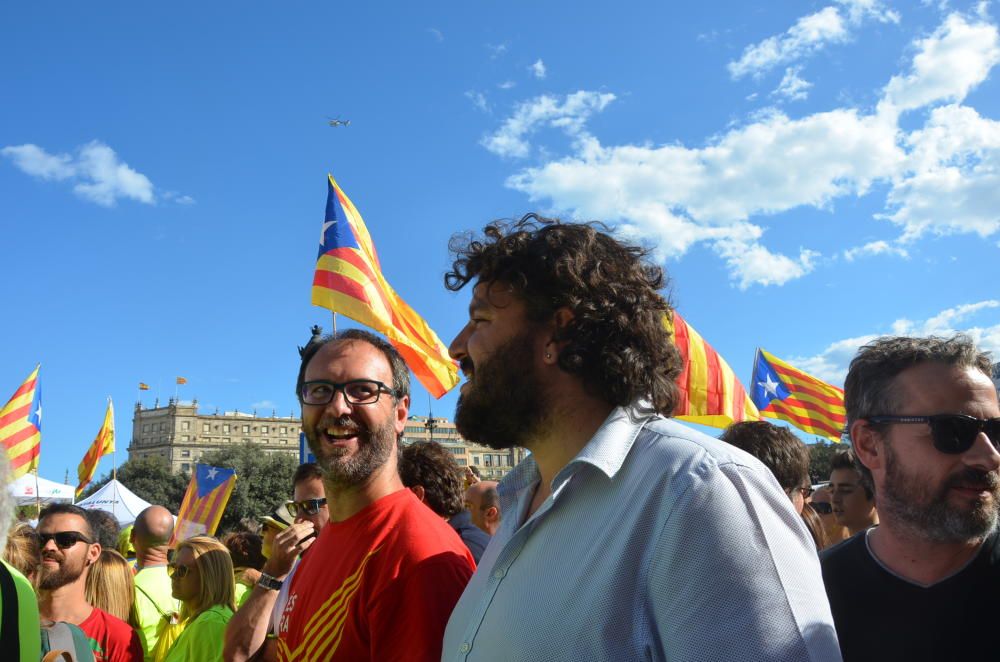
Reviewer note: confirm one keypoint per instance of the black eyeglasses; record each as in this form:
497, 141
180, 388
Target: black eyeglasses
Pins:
64, 539
822, 507
806, 491
178, 570
304, 507
356, 391
952, 433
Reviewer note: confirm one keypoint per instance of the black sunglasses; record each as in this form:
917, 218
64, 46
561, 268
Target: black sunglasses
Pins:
64, 539
306, 506
821, 507
177, 570
952, 433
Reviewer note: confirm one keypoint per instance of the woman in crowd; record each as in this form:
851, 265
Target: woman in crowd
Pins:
110, 586
202, 580
23, 550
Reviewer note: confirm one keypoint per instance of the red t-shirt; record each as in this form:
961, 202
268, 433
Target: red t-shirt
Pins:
378, 586
111, 639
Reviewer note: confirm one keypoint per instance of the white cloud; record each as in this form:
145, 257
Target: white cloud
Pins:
506, 85
99, 175
810, 34
478, 100
832, 363
569, 115
755, 265
875, 248
538, 69
792, 86
496, 50
437, 34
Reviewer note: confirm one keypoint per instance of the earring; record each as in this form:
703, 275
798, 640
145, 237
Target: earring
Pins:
547, 355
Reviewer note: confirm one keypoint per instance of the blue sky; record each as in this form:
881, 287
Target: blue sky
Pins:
811, 174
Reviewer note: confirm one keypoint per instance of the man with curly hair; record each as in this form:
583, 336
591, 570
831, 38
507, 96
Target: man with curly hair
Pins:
625, 535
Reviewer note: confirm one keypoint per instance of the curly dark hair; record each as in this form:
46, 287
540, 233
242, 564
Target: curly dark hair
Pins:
616, 342
780, 450
245, 549
430, 465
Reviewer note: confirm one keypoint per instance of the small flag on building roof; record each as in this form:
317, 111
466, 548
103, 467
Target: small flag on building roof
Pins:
182, 380
143, 386
349, 280
204, 502
784, 392
710, 393
21, 426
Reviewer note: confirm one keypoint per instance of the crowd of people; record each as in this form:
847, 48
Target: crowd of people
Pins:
624, 535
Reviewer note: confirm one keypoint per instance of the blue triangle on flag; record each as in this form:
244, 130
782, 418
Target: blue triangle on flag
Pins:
207, 478
766, 384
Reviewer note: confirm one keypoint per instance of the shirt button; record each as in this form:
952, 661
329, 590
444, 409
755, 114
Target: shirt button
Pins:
499, 573
464, 648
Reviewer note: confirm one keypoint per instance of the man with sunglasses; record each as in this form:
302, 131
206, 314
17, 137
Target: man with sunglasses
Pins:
924, 420
68, 549
381, 579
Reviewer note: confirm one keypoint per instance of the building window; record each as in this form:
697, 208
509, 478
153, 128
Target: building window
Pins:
145, 428
475, 459
246, 429
163, 427
185, 437
263, 429
206, 427
185, 466
185, 425
265, 440
185, 453
284, 430
487, 460
225, 428
460, 461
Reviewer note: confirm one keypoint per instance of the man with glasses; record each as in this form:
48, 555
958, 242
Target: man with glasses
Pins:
924, 420
385, 573
780, 451
68, 550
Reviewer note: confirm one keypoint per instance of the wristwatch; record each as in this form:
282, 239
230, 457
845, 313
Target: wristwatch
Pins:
269, 582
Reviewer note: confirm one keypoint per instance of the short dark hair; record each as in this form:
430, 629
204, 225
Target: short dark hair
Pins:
780, 450
617, 342
69, 509
846, 459
491, 499
430, 465
245, 548
307, 471
400, 373
105, 527
870, 388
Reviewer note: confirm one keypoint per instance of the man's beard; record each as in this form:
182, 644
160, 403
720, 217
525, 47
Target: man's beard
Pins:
503, 405
924, 509
66, 573
374, 447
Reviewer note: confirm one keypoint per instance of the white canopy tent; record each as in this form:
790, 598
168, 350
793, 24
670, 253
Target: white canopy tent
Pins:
27, 492
118, 500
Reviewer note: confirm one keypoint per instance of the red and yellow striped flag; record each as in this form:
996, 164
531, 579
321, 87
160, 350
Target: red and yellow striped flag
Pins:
784, 392
710, 393
21, 426
182, 380
349, 280
103, 444
204, 501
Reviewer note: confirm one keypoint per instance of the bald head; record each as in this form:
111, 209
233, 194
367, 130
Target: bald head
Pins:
483, 503
153, 528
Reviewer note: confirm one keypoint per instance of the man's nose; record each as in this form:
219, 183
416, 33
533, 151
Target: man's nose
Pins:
456, 349
338, 405
982, 454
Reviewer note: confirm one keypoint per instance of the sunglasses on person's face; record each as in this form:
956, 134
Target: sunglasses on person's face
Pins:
64, 539
822, 507
178, 570
952, 433
305, 507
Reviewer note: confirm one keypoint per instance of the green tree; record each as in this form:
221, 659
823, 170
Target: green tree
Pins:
263, 481
820, 457
150, 478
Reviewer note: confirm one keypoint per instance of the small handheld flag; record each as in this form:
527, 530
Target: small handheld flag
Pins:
21, 426
349, 280
710, 393
784, 392
103, 444
204, 502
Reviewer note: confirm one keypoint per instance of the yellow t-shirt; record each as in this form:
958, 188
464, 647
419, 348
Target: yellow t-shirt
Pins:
28, 629
152, 585
202, 638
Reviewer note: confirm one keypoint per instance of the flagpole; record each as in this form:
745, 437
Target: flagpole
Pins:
334, 322
114, 451
38, 497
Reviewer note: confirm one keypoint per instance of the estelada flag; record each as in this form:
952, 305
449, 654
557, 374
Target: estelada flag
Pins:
349, 280
782, 391
710, 393
104, 444
21, 426
204, 501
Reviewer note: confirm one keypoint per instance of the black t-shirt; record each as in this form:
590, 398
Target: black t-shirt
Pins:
880, 616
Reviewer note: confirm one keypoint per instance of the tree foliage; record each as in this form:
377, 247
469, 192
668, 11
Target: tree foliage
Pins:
150, 478
263, 482
820, 457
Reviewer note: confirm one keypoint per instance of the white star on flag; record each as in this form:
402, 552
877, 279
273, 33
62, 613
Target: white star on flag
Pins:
212, 473
322, 234
769, 386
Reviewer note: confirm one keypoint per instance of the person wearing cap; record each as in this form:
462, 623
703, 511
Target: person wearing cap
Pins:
290, 529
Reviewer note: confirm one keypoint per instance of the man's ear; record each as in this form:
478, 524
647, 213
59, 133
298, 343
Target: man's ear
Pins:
492, 514
93, 553
556, 327
867, 444
419, 491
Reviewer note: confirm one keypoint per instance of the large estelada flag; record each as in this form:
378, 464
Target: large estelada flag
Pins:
782, 391
104, 444
204, 501
710, 393
21, 427
349, 281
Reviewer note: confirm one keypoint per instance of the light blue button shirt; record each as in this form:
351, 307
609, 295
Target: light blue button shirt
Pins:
657, 543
